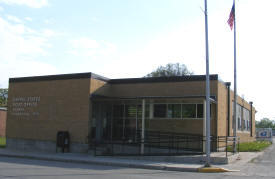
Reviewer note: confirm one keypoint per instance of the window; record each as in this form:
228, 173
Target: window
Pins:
246, 116
160, 110
131, 111
189, 110
174, 111
239, 116
118, 111
243, 118
178, 111
200, 111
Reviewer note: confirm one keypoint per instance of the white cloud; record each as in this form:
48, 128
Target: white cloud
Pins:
20, 40
48, 33
29, 3
1, 9
19, 68
84, 43
87, 47
28, 19
20, 47
13, 19
48, 21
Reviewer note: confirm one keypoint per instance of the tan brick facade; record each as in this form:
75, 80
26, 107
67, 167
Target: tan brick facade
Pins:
40, 107
3, 119
37, 110
244, 135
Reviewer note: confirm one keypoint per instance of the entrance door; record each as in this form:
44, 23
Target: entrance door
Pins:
102, 120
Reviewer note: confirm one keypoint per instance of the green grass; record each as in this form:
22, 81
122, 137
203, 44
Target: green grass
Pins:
256, 146
2, 141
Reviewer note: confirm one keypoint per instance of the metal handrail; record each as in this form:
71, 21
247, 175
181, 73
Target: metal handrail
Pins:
174, 143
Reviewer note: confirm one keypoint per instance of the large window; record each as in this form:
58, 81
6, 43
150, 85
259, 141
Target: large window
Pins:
246, 117
243, 118
133, 111
178, 111
160, 110
189, 110
174, 111
239, 116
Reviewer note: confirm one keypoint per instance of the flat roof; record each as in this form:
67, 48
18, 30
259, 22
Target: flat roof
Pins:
58, 77
95, 96
113, 81
163, 79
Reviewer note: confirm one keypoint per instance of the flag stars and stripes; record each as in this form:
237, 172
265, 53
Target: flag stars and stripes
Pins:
230, 21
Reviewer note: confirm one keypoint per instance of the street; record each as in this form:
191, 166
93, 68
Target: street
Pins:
261, 167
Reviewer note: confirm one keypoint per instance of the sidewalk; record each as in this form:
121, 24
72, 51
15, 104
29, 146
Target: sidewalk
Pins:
180, 163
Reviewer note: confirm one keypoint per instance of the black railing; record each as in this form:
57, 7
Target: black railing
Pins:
226, 144
161, 143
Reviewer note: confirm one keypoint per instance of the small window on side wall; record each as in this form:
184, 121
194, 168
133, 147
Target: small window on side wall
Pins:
160, 110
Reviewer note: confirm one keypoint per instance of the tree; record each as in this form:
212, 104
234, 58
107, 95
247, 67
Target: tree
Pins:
265, 123
171, 69
3, 96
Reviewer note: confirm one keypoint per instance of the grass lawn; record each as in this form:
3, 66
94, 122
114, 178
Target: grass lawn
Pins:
2, 141
256, 146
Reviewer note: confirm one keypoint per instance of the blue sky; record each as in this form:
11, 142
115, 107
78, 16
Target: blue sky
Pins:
127, 38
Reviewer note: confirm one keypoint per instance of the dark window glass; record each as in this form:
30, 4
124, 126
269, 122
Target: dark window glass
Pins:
131, 111
199, 110
189, 110
118, 111
147, 111
240, 123
160, 110
174, 111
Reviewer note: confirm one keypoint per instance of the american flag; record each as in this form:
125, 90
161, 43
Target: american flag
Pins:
230, 21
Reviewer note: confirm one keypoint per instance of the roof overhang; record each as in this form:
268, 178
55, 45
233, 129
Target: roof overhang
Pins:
95, 97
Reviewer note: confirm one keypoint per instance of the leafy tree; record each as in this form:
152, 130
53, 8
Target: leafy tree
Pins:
171, 69
265, 123
3, 96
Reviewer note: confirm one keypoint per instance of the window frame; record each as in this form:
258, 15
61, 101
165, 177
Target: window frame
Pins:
181, 109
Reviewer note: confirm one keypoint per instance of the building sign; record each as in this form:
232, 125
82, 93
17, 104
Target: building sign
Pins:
25, 106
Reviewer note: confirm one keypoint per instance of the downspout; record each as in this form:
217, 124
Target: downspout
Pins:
228, 107
251, 112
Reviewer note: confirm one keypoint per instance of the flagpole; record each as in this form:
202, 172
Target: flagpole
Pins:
235, 82
207, 91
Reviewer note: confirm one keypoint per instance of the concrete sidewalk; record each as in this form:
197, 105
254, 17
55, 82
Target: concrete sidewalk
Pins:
180, 164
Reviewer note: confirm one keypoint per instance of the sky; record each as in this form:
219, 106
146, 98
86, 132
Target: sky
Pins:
129, 39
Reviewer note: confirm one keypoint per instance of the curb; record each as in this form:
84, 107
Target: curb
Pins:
106, 163
214, 170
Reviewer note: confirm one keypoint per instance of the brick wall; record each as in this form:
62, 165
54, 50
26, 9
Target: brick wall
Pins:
222, 109
3, 118
245, 135
38, 109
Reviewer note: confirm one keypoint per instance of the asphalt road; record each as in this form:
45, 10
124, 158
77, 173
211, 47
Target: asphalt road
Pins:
263, 167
